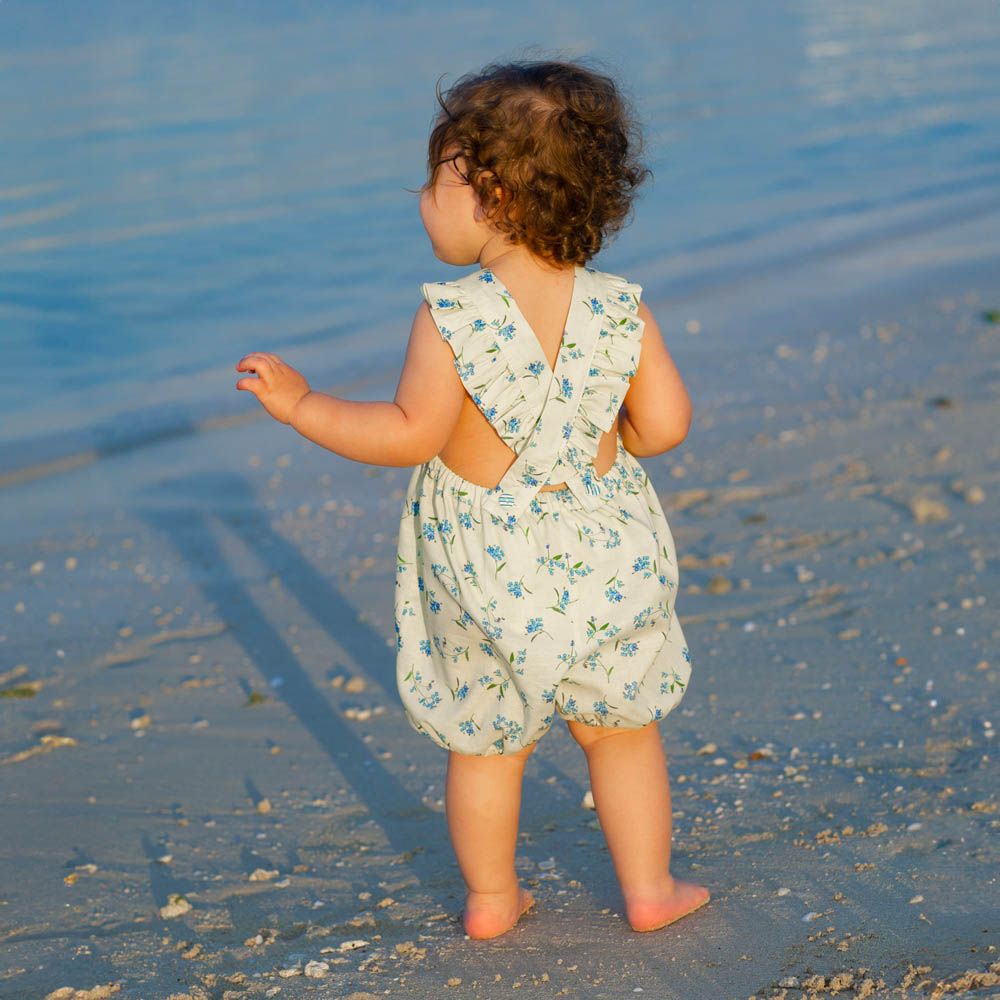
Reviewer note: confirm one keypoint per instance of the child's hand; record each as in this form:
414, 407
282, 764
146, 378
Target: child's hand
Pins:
278, 386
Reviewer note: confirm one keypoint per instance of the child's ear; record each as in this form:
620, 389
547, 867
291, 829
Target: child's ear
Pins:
483, 212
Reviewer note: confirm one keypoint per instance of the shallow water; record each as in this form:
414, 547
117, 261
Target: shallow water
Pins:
183, 183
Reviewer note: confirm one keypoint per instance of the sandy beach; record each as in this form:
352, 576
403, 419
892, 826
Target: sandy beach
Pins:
210, 791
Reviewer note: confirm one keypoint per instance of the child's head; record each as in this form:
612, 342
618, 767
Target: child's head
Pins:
549, 149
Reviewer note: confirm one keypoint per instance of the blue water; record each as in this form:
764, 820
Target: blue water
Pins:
181, 183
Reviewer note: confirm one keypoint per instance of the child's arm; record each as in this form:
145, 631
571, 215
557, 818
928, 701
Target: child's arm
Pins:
656, 413
408, 431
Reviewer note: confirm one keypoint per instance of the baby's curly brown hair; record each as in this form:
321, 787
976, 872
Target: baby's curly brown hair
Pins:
561, 142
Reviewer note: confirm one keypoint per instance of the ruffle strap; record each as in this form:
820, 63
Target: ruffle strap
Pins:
481, 364
615, 358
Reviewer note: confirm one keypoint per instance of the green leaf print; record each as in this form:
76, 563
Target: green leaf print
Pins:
501, 685
594, 628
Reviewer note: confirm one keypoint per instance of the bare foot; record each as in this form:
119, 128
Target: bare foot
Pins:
653, 910
490, 914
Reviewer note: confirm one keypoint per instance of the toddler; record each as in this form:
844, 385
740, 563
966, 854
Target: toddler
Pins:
536, 572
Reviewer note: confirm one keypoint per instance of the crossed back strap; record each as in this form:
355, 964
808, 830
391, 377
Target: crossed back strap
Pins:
556, 398
551, 418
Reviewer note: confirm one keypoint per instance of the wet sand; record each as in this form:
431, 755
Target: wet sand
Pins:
209, 788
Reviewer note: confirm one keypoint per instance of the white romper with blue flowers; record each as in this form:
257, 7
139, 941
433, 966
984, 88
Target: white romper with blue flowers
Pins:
513, 604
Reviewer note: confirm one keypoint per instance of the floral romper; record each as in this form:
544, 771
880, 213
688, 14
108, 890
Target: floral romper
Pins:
513, 604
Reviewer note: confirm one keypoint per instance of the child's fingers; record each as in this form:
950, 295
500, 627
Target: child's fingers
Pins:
251, 384
259, 363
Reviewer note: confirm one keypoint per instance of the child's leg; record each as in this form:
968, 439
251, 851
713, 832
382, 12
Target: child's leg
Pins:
629, 780
483, 803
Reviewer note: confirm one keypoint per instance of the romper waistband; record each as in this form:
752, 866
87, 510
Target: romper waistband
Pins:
611, 481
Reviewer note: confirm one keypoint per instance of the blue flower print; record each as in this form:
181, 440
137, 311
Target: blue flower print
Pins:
551, 562
498, 683
672, 682
613, 594
641, 620
511, 730
535, 628
495, 632
562, 601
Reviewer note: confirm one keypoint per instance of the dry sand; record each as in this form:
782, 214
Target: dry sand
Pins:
209, 788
